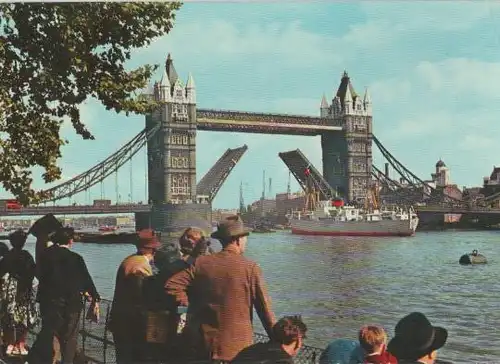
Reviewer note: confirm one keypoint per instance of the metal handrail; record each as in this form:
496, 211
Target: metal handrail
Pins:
94, 340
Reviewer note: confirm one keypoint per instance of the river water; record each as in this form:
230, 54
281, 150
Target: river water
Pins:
339, 284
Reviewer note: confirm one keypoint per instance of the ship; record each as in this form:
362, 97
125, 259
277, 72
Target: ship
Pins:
333, 217
330, 219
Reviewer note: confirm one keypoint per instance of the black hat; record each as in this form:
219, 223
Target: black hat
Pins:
18, 237
45, 226
416, 337
63, 235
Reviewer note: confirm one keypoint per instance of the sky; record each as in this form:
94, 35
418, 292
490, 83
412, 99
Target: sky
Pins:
432, 69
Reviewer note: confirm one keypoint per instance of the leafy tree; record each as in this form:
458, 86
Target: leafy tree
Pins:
53, 56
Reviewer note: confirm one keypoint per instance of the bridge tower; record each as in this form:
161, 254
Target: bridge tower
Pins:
347, 155
172, 156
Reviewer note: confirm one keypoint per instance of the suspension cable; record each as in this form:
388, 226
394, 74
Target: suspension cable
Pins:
131, 187
410, 177
102, 170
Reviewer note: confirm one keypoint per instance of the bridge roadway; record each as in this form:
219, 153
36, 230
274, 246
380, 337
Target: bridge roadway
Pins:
263, 123
76, 210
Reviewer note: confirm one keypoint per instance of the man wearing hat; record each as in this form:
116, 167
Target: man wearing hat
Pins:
126, 319
63, 280
416, 340
223, 289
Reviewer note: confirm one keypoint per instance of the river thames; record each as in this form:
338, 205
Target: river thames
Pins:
339, 284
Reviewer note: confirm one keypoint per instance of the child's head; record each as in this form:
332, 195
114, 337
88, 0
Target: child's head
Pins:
371, 338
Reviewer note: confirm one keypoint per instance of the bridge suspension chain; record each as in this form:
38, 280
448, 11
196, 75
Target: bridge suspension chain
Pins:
399, 194
409, 177
101, 171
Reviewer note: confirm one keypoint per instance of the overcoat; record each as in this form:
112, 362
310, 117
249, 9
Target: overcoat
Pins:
127, 309
223, 290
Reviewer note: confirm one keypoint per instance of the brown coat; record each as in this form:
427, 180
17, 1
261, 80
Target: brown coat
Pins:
223, 289
127, 307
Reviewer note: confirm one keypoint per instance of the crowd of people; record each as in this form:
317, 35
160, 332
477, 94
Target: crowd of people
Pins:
56, 303
195, 306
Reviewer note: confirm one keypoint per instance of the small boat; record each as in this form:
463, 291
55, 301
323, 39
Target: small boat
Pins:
263, 230
107, 228
107, 238
473, 258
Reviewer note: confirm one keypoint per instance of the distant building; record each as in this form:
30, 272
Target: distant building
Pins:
269, 206
441, 181
442, 175
220, 214
472, 194
491, 184
285, 203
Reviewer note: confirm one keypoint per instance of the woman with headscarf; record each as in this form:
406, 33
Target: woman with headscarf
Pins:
18, 311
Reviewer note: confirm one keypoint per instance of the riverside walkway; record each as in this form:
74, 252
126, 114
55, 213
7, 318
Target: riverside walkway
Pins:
95, 342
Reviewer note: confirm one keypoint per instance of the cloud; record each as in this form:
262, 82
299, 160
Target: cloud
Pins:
430, 16
389, 90
289, 44
369, 36
458, 76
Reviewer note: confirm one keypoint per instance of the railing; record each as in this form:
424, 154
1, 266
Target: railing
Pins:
96, 344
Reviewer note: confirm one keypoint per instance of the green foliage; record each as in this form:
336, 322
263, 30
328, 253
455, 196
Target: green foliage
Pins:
53, 56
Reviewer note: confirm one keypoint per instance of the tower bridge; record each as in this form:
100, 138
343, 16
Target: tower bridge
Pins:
174, 196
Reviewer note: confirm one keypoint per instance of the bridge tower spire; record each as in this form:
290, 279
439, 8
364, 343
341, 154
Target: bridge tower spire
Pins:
324, 107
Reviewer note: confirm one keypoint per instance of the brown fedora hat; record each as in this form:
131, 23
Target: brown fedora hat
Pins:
148, 239
230, 227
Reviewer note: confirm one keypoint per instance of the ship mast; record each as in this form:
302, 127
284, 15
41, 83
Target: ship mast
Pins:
242, 202
263, 194
288, 188
312, 195
372, 198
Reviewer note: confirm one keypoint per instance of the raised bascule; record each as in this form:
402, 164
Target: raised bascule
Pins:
176, 200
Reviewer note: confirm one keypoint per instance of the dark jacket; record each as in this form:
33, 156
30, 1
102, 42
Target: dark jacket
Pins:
128, 307
263, 353
223, 290
64, 277
155, 297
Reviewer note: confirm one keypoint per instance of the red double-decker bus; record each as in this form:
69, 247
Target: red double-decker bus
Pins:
12, 204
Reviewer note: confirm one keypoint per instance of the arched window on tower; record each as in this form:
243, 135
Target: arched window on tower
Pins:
174, 186
185, 184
